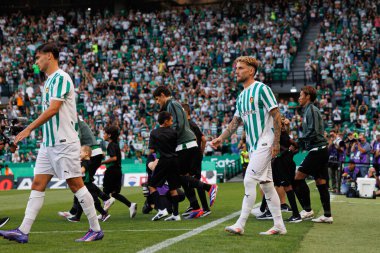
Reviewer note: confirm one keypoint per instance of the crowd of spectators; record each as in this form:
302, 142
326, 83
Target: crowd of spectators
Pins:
116, 61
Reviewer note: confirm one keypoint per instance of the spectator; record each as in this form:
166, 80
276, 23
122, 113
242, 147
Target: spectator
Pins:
360, 152
376, 154
7, 171
349, 176
335, 150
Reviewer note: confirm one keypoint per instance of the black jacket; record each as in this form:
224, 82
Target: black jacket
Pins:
312, 128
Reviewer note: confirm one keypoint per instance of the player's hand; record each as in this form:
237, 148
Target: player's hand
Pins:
275, 150
152, 165
215, 143
22, 135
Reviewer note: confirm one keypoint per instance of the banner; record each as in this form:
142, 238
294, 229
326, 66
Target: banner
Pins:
6, 183
128, 180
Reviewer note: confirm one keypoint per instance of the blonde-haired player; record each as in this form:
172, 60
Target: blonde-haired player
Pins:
257, 109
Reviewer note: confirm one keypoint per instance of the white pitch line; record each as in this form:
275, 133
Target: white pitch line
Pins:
171, 241
112, 231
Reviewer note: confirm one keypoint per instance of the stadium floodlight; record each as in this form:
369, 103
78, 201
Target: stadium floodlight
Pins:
293, 89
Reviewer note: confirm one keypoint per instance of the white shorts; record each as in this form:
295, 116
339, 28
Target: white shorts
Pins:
62, 161
260, 165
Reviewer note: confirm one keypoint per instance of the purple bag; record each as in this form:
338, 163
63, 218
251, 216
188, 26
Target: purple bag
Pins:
163, 189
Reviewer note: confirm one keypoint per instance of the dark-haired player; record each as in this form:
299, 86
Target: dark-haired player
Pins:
60, 150
316, 161
113, 176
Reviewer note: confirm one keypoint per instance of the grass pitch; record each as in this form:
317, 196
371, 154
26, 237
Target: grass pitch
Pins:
355, 227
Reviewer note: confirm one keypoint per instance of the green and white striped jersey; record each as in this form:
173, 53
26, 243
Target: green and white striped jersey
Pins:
62, 127
253, 106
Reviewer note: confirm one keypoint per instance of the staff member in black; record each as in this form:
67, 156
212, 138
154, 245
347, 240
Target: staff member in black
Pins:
316, 162
186, 145
197, 165
163, 142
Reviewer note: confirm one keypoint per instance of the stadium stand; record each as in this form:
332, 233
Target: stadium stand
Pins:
116, 61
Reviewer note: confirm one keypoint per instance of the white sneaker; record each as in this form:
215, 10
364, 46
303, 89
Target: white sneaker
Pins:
65, 214
173, 218
275, 231
108, 203
307, 215
323, 219
161, 214
133, 210
234, 229
257, 212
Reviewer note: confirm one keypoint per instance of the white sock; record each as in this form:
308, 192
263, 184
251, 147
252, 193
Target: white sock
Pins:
36, 200
248, 201
87, 202
274, 204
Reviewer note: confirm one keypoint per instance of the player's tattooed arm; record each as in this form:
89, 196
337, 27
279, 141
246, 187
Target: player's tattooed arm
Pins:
231, 128
275, 113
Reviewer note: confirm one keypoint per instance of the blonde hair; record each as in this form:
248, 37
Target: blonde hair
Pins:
249, 60
87, 149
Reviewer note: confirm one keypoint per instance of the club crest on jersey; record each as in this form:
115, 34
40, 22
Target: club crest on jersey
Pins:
251, 100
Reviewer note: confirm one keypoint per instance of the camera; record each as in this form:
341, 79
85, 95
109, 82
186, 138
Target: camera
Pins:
10, 128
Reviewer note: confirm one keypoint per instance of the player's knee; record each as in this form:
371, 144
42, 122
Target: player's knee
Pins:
320, 181
39, 184
249, 183
152, 189
267, 187
300, 176
75, 184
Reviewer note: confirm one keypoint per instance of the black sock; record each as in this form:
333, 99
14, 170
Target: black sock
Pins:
190, 195
189, 191
263, 206
203, 199
292, 201
303, 192
97, 203
121, 198
175, 200
325, 199
100, 193
195, 183
155, 199
79, 212
74, 208
99, 207
298, 197
162, 202
149, 199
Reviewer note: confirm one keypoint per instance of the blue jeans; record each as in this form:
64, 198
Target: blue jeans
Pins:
344, 188
363, 170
